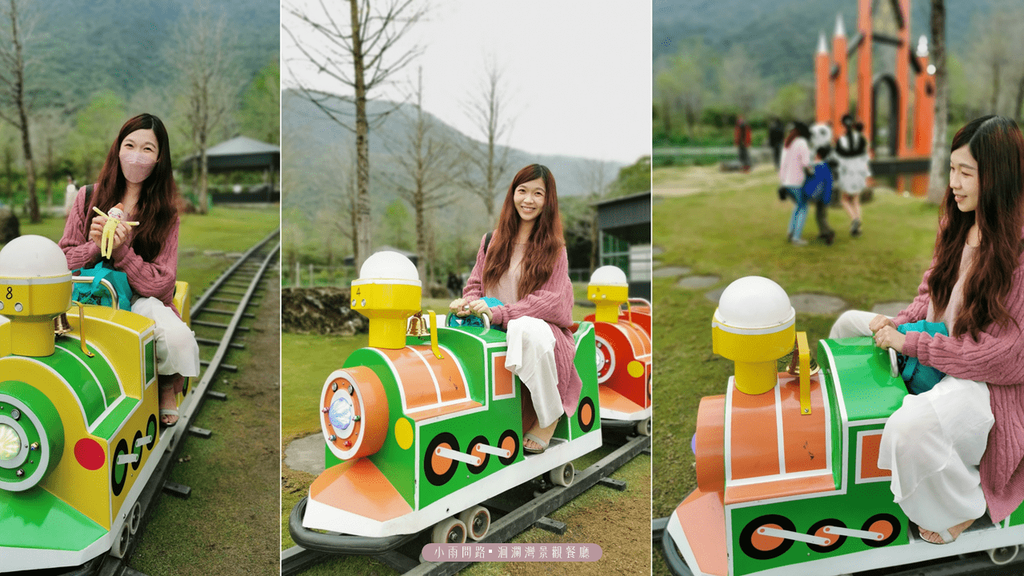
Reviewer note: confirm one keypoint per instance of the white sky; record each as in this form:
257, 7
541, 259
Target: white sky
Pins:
577, 72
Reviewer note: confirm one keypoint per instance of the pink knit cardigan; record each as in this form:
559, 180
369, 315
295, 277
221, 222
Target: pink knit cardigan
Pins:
996, 358
552, 303
154, 278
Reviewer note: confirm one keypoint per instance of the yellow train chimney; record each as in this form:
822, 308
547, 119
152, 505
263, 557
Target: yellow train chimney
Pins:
753, 326
387, 292
35, 287
608, 289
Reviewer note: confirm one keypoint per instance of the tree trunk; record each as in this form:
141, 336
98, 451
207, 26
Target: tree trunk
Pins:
1018, 103
364, 238
19, 102
937, 183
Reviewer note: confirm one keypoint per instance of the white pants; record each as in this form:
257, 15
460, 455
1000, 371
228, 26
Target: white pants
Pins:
933, 444
531, 356
852, 323
177, 351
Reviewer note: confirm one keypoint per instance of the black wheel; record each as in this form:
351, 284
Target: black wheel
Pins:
887, 524
137, 449
509, 440
761, 547
151, 431
484, 457
437, 469
586, 415
837, 541
118, 472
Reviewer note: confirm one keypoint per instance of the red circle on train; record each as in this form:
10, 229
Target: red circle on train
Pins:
89, 454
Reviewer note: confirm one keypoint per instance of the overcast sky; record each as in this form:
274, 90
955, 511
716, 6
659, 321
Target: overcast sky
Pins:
578, 72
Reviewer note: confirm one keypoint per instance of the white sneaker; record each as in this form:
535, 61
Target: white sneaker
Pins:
798, 242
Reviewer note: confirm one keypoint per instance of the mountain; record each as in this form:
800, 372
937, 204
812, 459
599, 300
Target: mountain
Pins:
318, 154
79, 48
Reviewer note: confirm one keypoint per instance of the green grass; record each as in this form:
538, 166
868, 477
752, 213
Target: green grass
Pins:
733, 228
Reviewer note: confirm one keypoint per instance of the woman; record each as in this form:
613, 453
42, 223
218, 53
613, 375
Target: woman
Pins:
526, 267
796, 159
137, 174
851, 148
957, 448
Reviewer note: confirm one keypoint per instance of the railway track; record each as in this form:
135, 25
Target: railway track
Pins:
221, 308
512, 514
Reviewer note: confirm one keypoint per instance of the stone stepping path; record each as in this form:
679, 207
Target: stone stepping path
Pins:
306, 454
698, 282
889, 308
657, 250
670, 272
817, 303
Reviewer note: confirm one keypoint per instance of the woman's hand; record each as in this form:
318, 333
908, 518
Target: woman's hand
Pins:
480, 308
879, 322
96, 230
120, 235
890, 337
458, 306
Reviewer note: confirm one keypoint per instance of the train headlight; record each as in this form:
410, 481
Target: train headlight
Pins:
342, 414
10, 443
31, 436
354, 413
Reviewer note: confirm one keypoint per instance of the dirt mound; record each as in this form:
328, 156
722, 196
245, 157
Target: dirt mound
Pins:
320, 311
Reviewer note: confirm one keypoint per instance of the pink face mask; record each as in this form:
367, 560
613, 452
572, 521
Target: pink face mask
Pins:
136, 167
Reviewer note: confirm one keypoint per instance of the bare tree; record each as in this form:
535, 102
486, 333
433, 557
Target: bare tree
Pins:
487, 163
594, 178
425, 161
940, 149
209, 80
16, 29
740, 80
357, 51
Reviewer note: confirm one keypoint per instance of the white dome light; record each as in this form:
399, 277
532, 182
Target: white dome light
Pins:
754, 302
390, 266
32, 257
609, 276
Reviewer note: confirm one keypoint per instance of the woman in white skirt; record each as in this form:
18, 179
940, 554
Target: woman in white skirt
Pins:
526, 267
958, 448
137, 174
852, 152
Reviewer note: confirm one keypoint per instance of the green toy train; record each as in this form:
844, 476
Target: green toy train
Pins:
422, 427
79, 435
787, 465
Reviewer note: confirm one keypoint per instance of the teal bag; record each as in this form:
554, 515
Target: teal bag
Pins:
471, 320
96, 293
919, 377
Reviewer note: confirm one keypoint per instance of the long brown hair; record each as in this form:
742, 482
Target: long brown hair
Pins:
546, 238
157, 208
998, 147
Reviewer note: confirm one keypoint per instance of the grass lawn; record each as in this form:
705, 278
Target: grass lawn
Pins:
734, 226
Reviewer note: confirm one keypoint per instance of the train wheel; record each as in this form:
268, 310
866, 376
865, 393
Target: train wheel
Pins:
885, 524
450, 531
509, 441
120, 545
473, 451
1004, 555
563, 475
118, 472
477, 520
135, 518
136, 449
818, 529
763, 547
643, 427
438, 469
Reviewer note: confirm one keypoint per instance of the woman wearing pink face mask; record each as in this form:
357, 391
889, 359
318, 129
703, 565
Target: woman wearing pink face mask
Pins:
137, 175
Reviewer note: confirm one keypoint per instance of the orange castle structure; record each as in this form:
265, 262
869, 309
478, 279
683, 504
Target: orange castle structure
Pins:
832, 76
